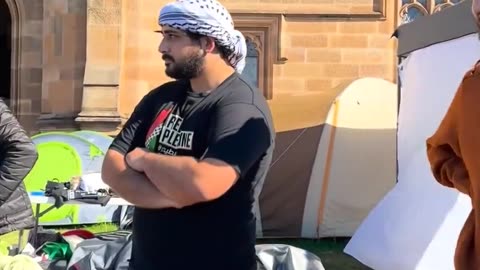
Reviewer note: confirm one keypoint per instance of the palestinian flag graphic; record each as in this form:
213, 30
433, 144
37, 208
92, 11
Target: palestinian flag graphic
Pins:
155, 129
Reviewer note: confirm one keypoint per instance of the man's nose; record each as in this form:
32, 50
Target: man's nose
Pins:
163, 48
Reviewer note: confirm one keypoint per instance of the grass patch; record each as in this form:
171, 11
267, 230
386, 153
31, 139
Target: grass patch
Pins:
330, 251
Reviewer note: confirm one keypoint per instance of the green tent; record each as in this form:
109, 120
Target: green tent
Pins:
56, 160
62, 156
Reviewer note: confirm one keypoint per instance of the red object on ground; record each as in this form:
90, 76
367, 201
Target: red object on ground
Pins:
80, 233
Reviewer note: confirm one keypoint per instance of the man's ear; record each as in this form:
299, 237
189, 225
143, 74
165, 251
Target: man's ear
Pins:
208, 44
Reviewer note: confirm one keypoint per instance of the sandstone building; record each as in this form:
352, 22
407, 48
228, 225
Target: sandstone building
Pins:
85, 64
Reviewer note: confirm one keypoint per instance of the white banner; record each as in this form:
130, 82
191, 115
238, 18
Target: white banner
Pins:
416, 226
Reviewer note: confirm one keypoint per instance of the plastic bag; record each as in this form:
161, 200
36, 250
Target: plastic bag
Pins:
98, 254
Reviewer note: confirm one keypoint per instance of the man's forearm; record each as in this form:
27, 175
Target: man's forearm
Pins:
174, 176
139, 191
133, 186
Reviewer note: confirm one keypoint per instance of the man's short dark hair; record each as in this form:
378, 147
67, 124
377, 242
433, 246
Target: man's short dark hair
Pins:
224, 52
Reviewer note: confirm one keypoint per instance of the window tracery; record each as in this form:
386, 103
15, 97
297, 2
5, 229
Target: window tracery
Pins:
412, 9
262, 33
251, 70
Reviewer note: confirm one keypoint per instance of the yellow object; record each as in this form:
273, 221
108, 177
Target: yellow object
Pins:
3, 248
18, 262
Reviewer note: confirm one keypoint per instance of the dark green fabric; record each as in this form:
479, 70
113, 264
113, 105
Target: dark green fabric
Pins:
57, 250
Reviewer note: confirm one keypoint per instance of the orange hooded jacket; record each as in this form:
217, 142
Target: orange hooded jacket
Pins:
454, 155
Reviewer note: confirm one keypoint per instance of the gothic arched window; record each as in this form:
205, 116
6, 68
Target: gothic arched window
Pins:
262, 33
412, 9
250, 72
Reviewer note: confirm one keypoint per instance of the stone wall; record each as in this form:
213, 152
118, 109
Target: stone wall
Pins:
327, 52
26, 65
64, 43
97, 59
142, 66
328, 43
102, 71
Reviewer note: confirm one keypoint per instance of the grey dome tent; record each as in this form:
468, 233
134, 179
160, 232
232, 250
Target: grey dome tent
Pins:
91, 155
99, 139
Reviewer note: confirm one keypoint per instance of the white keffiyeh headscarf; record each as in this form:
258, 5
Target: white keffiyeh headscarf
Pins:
207, 18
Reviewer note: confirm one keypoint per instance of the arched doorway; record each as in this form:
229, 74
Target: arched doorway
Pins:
21, 52
5, 52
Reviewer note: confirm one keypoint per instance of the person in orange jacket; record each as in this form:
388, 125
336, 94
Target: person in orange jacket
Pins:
454, 155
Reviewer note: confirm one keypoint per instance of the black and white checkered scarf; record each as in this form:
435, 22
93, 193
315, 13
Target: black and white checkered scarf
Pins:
208, 18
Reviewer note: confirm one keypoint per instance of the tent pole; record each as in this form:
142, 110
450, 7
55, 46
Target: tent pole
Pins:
399, 94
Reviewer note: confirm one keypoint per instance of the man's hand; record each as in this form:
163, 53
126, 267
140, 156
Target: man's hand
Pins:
136, 159
131, 185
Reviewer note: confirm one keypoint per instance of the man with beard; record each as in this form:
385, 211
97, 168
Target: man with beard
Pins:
194, 149
454, 155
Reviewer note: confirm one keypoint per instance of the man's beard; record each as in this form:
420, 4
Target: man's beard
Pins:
187, 69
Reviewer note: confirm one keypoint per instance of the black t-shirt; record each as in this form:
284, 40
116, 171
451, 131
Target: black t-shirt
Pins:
233, 124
